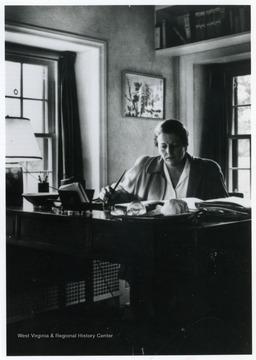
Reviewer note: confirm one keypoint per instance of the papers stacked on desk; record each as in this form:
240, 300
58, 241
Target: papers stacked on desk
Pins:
232, 202
230, 206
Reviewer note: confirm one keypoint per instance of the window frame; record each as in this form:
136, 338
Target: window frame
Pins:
234, 70
37, 56
92, 54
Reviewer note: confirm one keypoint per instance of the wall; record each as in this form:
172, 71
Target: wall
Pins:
129, 32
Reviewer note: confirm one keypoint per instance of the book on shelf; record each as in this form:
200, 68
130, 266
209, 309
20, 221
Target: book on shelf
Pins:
239, 19
179, 34
217, 22
242, 19
210, 23
223, 21
197, 26
171, 35
230, 21
247, 14
183, 22
202, 24
163, 34
158, 37
236, 15
187, 27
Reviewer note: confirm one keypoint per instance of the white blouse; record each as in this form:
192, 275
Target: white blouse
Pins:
180, 191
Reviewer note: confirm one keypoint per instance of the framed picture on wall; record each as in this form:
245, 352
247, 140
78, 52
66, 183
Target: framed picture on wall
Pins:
143, 96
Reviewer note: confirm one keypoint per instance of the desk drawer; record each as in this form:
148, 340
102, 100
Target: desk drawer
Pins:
11, 227
56, 232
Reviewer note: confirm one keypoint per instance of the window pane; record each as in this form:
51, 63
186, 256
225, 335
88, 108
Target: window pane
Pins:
230, 181
244, 120
244, 153
243, 90
31, 100
45, 146
35, 110
42, 167
243, 183
12, 107
12, 78
35, 81
239, 153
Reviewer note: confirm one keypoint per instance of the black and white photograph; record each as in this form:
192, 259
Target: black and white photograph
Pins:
127, 196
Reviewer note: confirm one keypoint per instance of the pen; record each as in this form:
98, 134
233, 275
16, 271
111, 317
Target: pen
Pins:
119, 180
39, 178
112, 190
108, 198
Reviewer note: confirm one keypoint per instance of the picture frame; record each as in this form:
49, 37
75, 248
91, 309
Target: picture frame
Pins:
143, 96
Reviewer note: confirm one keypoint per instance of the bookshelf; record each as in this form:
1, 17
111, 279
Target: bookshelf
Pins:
182, 30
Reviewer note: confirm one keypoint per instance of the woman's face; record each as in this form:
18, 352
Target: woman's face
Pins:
171, 149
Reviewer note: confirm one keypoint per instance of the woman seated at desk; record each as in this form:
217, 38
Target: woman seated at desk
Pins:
173, 174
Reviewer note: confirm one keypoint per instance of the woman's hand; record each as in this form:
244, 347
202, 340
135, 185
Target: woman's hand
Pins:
108, 195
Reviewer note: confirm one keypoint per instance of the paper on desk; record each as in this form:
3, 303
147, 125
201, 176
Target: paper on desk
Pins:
151, 205
233, 200
147, 203
232, 203
194, 203
191, 202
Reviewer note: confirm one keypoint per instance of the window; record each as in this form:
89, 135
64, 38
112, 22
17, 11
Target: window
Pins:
239, 133
31, 92
91, 68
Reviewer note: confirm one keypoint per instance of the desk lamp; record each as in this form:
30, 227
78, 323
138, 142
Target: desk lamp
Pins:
21, 145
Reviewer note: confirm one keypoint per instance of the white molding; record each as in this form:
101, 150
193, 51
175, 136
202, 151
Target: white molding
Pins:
207, 45
19, 33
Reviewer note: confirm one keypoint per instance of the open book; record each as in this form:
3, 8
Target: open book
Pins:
73, 195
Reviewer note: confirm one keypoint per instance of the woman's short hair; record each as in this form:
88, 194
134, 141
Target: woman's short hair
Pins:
171, 127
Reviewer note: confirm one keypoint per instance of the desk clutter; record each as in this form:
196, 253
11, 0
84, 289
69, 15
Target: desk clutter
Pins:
193, 208
73, 198
41, 199
68, 201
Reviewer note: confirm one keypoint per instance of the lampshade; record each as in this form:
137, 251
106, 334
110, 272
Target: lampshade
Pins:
21, 144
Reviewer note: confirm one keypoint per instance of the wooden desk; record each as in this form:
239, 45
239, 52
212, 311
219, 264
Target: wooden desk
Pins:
182, 266
210, 261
